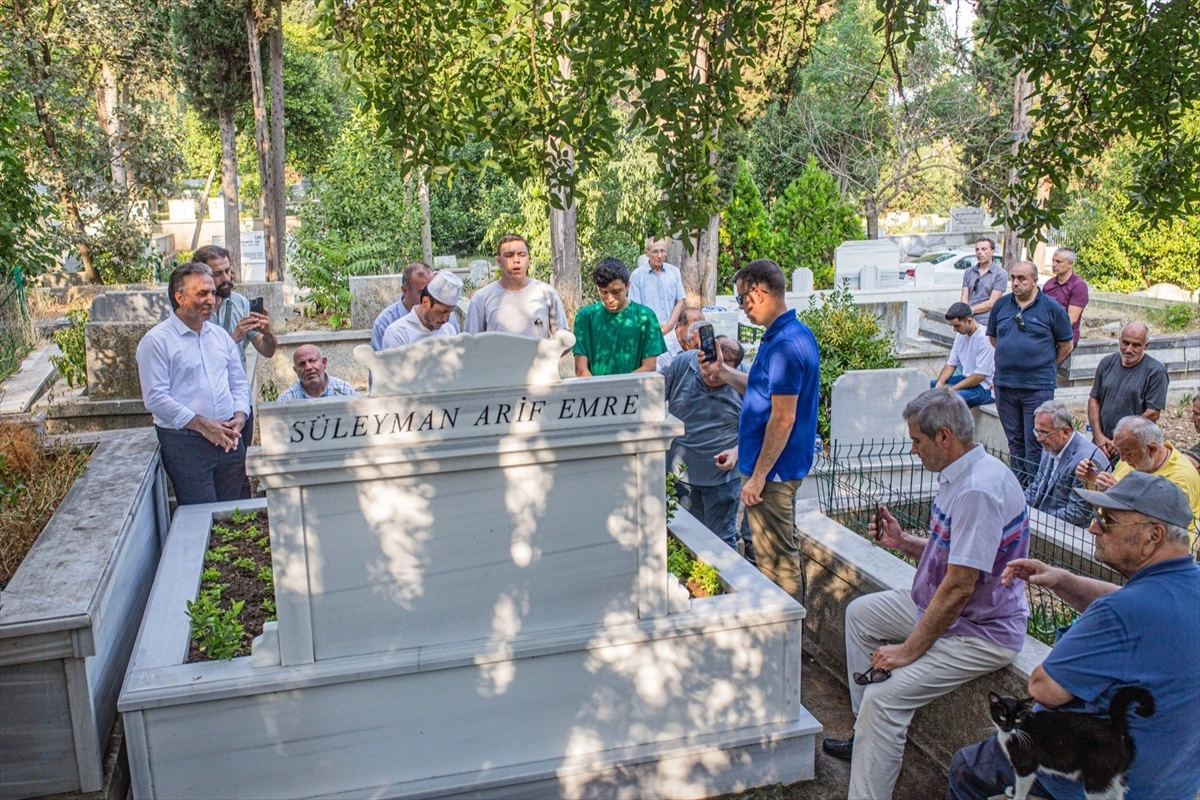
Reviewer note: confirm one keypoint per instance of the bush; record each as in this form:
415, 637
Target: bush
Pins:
850, 338
745, 227
72, 364
810, 220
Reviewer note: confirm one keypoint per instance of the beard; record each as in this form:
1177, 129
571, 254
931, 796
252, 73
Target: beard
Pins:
224, 290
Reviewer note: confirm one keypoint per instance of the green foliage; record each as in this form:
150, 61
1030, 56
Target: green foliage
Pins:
245, 562
464, 206
72, 364
679, 560
707, 577
263, 542
618, 205
216, 555
266, 575
240, 517
210, 575
269, 391
850, 338
268, 605
315, 102
673, 491
12, 485
210, 41
364, 221
217, 631
810, 220
1176, 317
685, 567
746, 232
24, 211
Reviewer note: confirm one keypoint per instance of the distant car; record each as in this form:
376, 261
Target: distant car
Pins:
936, 257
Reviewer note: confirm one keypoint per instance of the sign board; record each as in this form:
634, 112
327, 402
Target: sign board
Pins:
254, 255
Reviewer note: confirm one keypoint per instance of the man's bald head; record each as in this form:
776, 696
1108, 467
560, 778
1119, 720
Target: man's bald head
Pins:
305, 352
1132, 345
1027, 268
1024, 280
309, 364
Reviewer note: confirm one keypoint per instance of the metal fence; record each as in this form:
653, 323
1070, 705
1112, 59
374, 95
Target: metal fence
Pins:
15, 326
856, 479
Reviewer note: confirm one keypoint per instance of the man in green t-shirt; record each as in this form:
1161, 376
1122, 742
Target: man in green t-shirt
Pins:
615, 336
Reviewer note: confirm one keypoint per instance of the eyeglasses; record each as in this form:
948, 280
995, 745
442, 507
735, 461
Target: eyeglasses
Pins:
873, 675
742, 297
1104, 523
1020, 322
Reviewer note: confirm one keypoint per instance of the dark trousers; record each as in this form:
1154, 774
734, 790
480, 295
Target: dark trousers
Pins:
200, 471
982, 771
1015, 408
772, 525
715, 506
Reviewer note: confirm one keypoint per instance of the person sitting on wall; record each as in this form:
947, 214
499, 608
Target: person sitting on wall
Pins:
1062, 450
1142, 449
710, 410
681, 340
905, 649
973, 354
1127, 383
194, 385
431, 316
310, 366
615, 336
1142, 634
413, 280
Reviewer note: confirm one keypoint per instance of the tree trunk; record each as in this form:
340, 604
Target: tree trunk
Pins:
212, 174
710, 246
693, 285
263, 146
108, 100
1022, 102
229, 187
278, 149
426, 224
564, 256
872, 211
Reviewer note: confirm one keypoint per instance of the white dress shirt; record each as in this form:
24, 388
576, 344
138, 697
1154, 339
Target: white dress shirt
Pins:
409, 329
184, 373
659, 291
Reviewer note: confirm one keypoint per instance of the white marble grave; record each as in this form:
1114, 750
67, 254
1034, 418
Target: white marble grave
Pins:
865, 405
470, 577
849, 258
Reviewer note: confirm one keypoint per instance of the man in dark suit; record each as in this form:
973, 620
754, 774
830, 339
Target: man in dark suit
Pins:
1062, 450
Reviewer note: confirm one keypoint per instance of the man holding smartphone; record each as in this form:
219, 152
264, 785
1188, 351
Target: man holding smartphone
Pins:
233, 310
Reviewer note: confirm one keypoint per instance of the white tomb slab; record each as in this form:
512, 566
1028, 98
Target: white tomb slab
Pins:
470, 577
254, 255
181, 210
865, 405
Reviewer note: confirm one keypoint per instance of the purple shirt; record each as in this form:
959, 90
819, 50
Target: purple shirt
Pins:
979, 520
1072, 293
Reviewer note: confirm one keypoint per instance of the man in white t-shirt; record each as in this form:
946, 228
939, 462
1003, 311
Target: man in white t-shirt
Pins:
429, 317
516, 303
974, 354
659, 286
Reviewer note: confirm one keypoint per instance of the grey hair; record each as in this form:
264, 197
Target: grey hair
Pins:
175, 282
1066, 253
732, 349
1060, 415
941, 408
1177, 534
694, 328
412, 269
1143, 431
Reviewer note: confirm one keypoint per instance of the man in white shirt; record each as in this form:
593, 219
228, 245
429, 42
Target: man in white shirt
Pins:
310, 364
194, 385
415, 277
430, 316
974, 354
682, 339
516, 303
659, 286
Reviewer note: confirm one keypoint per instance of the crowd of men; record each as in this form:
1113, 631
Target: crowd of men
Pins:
748, 443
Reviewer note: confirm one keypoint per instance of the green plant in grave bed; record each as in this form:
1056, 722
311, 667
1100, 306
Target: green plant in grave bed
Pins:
673, 491
72, 364
239, 517
220, 530
245, 562
268, 605
679, 560
266, 575
1175, 317
218, 555
209, 575
216, 631
269, 392
264, 542
706, 575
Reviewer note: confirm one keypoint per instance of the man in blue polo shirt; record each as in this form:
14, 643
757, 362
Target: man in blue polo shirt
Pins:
1142, 634
1032, 335
778, 422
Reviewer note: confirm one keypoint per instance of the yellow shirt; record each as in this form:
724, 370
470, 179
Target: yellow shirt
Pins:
1179, 471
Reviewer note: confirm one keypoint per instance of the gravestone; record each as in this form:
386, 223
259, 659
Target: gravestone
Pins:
480, 271
924, 275
254, 255
445, 262
118, 321
850, 257
868, 277
802, 281
370, 295
181, 210
966, 219
215, 209
865, 406
152, 307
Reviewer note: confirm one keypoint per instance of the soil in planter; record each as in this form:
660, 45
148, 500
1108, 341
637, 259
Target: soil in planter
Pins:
237, 567
34, 478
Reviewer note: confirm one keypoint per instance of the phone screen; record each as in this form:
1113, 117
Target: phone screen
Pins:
708, 343
256, 305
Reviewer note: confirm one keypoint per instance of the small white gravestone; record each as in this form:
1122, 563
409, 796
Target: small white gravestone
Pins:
480, 271
254, 255
865, 405
966, 219
215, 210
445, 262
802, 281
850, 257
924, 275
868, 277
181, 210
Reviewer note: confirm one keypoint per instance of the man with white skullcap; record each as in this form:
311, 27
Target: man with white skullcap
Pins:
429, 317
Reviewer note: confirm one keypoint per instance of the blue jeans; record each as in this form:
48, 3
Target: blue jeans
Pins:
975, 396
980, 771
1015, 408
715, 506
200, 471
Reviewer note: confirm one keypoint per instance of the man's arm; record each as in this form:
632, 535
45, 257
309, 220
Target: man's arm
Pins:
1075, 590
986, 305
265, 343
949, 599
1046, 690
1063, 349
734, 378
968, 382
669, 325
945, 374
1074, 313
779, 428
581, 367
964, 294
1151, 414
649, 364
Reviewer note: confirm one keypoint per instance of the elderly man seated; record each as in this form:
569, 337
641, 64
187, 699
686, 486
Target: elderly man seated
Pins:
310, 365
1142, 634
682, 339
1062, 450
1140, 443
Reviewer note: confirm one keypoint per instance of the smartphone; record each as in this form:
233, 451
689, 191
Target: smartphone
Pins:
708, 343
256, 305
878, 522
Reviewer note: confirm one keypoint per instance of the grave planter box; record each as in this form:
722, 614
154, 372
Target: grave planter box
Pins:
69, 617
471, 605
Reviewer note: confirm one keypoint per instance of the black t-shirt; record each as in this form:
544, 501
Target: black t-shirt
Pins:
1128, 391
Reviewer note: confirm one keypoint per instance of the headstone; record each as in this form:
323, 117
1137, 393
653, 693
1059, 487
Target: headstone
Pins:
850, 257
152, 307
866, 406
724, 322
868, 277
254, 255
117, 322
802, 281
924, 275
181, 210
966, 219
1165, 291
480, 271
369, 295
445, 262
215, 209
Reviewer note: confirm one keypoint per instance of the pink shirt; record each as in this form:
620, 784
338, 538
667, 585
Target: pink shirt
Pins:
1072, 293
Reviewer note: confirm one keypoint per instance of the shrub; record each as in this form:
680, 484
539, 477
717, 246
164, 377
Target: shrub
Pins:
850, 338
1176, 317
72, 364
745, 227
810, 220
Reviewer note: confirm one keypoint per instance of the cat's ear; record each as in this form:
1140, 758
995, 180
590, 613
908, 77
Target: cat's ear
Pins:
993, 698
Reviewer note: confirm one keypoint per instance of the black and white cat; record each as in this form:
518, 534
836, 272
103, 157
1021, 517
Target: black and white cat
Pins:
1084, 747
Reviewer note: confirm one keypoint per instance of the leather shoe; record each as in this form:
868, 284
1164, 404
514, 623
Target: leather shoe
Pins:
839, 748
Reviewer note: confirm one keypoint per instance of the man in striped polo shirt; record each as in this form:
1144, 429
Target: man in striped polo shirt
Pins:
959, 621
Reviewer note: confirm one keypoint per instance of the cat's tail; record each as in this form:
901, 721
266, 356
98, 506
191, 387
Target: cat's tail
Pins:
1119, 708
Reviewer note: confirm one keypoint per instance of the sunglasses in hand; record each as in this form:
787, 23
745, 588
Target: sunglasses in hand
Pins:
873, 675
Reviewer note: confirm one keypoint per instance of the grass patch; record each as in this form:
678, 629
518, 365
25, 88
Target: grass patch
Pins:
35, 476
